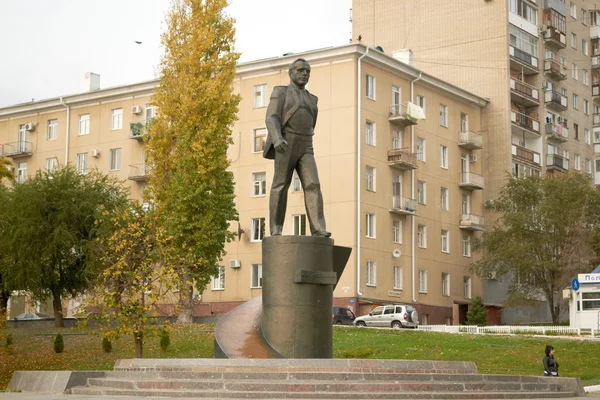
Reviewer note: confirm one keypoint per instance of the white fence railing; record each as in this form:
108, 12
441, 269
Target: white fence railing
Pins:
509, 329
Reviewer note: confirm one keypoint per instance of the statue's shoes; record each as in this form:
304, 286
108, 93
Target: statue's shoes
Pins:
322, 234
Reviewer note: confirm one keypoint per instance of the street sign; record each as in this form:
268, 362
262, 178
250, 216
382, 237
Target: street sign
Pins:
575, 284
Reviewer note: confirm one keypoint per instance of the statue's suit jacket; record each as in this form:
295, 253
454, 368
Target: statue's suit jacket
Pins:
283, 104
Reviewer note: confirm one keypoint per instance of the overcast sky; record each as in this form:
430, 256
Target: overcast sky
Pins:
46, 46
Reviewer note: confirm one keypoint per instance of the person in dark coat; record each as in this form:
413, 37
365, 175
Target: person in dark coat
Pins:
550, 363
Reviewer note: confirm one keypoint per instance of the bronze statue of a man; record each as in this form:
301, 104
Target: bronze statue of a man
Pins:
291, 119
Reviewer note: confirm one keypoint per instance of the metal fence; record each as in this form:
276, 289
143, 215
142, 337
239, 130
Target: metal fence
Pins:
511, 329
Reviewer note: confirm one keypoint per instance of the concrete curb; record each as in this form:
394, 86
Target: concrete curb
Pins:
592, 389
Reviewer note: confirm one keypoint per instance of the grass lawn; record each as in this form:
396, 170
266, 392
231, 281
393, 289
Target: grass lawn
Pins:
493, 354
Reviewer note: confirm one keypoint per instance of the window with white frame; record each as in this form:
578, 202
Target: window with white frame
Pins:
21, 172
586, 107
370, 133
81, 165
573, 40
258, 229
587, 136
371, 271
584, 16
218, 282
466, 245
422, 236
260, 95
585, 77
52, 132
371, 225
445, 284
116, 119
577, 162
299, 224
588, 165
396, 140
115, 159
443, 115
445, 241
444, 157
370, 176
573, 10
444, 201
84, 124
574, 72
51, 164
398, 277
296, 183
467, 286
421, 192
422, 281
421, 149
370, 93
396, 231
259, 184
585, 47
256, 276
259, 137
151, 111
523, 9
421, 102
396, 95
523, 40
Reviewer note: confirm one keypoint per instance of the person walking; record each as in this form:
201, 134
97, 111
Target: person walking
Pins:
550, 363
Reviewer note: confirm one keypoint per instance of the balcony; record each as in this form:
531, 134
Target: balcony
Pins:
555, 70
403, 206
557, 132
596, 93
402, 159
555, 100
596, 119
524, 93
525, 154
470, 181
556, 5
402, 115
597, 149
557, 163
520, 60
470, 140
525, 121
138, 173
554, 38
137, 130
16, 149
471, 222
594, 32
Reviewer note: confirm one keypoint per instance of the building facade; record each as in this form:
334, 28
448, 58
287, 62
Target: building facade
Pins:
402, 181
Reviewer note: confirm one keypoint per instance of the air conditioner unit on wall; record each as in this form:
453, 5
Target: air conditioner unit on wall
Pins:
472, 158
136, 110
235, 263
29, 127
95, 153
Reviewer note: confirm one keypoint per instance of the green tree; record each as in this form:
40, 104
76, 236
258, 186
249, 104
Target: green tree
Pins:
477, 315
543, 237
192, 190
49, 230
5, 207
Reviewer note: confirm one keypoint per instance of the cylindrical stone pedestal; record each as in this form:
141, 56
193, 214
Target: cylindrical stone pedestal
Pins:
298, 281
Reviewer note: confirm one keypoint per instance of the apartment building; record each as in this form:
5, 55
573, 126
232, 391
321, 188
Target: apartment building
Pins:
399, 160
537, 61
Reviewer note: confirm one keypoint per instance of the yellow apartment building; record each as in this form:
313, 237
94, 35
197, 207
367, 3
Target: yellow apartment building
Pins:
400, 161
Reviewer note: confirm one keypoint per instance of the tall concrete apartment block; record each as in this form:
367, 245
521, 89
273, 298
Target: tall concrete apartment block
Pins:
537, 62
404, 193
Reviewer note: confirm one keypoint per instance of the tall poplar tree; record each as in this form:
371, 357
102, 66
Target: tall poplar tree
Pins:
191, 188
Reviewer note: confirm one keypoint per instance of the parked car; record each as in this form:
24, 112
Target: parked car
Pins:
343, 316
394, 316
31, 316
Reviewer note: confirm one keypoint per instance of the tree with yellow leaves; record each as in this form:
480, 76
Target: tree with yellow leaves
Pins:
191, 188
5, 170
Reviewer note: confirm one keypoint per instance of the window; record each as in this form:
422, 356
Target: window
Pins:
577, 162
84, 124
585, 47
371, 226
422, 236
370, 133
444, 205
256, 276
370, 87
443, 115
523, 9
296, 183
588, 166
82, 163
396, 140
370, 175
421, 102
586, 107
151, 112
422, 281
396, 95
523, 41
424, 319
260, 95
371, 273
585, 77
467, 286
396, 231
576, 131
259, 137
573, 10
397, 277
218, 282
466, 245
115, 160
259, 184
51, 164
445, 241
563, 91
421, 144
584, 17
575, 101
444, 157
421, 192
258, 229
21, 172
300, 225
52, 129
573, 40
445, 284
574, 73
116, 119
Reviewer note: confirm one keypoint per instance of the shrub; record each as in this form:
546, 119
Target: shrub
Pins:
59, 344
165, 340
9, 340
106, 345
478, 313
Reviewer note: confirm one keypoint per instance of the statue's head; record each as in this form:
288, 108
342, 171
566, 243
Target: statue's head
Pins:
299, 72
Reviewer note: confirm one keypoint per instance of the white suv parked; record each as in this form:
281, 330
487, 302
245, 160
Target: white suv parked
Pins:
394, 316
